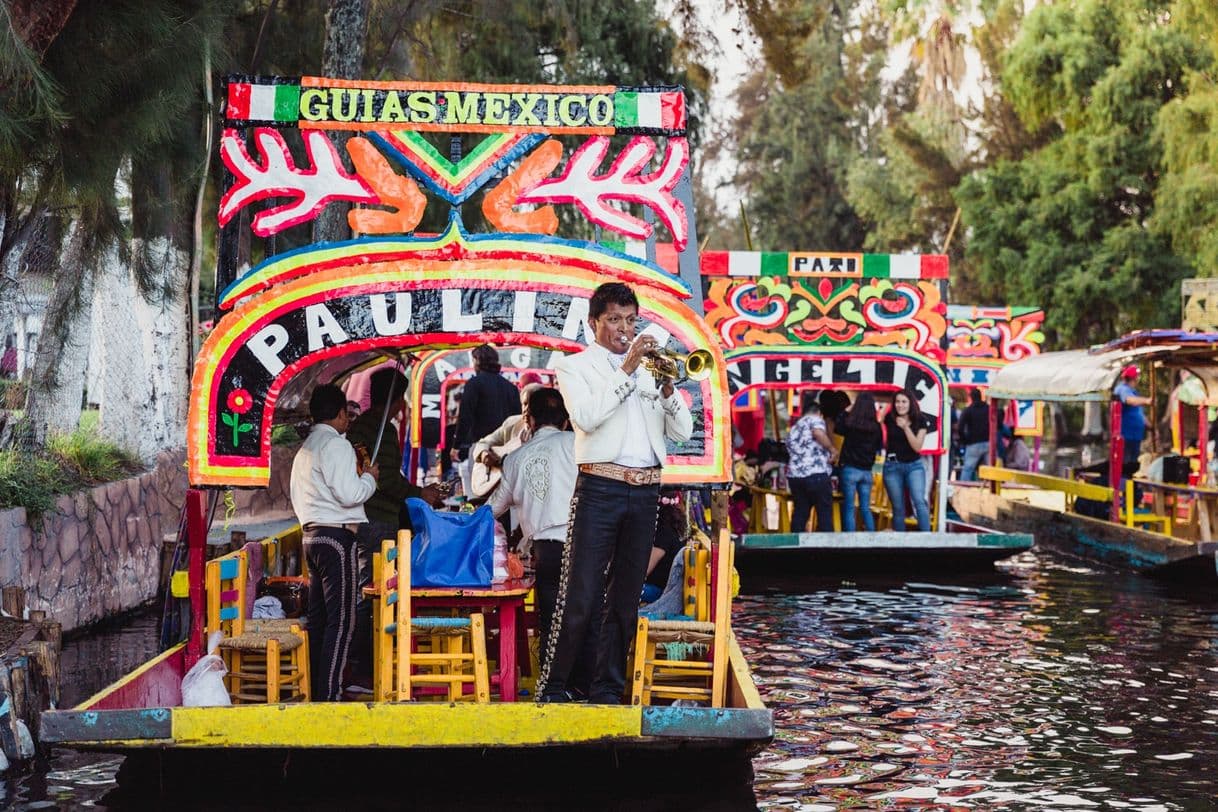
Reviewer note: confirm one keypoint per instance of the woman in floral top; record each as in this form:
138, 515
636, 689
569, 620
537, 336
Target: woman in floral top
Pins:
812, 456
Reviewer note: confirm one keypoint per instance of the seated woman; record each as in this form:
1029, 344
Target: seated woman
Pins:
672, 530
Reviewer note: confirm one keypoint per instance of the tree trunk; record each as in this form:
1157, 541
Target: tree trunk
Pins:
58, 376
342, 57
142, 324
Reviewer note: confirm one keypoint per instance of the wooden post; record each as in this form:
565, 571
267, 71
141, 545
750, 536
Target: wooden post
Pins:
1116, 458
719, 517
196, 540
772, 400
12, 600
995, 486
1203, 441
44, 668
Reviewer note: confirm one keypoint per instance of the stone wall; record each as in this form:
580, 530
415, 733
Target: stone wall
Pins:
98, 553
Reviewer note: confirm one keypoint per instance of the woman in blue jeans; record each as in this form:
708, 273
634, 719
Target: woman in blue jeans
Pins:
904, 475
863, 440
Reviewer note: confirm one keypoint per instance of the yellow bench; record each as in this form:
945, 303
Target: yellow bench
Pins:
1074, 489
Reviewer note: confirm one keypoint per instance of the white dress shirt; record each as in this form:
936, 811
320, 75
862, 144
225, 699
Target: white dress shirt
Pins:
325, 488
636, 449
596, 392
538, 482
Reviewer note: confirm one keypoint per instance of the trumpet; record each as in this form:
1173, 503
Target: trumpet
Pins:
673, 366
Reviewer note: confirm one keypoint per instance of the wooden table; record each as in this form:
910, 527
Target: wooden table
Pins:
504, 600
1203, 517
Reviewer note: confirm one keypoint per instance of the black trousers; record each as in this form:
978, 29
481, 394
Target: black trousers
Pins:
612, 526
368, 541
547, 556
333, 595
806, 493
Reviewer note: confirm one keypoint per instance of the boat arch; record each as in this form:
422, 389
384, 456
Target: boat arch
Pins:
252, 358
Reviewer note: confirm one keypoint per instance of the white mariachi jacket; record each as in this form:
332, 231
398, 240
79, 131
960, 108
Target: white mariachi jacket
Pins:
594, 392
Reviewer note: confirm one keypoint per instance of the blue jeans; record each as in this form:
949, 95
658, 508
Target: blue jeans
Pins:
902, 479
808, 492
974, 453
856, 481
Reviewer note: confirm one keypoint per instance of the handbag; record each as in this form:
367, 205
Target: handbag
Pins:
450, 549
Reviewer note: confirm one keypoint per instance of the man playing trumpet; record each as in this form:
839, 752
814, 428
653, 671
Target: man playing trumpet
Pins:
622, 418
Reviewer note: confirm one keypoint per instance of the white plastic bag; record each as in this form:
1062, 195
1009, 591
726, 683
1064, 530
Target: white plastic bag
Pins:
500, 572
203, 685
268, 607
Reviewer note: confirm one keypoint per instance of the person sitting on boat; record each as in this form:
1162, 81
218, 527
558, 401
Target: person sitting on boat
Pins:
385, 509
487, 400
738, 511
1016, 457
672, 528
1133, 421
538, 482
974, 434
812, 456
622, 419
512, 433
905, 430
328, 493
863, 439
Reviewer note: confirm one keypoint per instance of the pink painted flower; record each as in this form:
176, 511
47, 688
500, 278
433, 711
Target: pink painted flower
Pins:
240, 401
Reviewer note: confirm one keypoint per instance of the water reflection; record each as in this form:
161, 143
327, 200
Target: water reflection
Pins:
1061, 687
1047, 686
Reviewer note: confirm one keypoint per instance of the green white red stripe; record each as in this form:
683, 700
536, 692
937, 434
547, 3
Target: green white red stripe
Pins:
649, 109
251, 102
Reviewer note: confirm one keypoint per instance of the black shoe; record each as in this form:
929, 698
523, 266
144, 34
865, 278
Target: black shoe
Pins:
605, 699
555, 697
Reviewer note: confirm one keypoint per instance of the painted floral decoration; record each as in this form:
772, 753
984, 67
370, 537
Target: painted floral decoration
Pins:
239, 401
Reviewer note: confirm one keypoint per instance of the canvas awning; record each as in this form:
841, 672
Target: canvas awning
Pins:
1072, 375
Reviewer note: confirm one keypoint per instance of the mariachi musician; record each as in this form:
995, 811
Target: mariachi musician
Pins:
622, 418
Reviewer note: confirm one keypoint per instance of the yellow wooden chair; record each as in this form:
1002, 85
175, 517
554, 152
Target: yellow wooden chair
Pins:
1132, 517
267, 661
441, 658
881, 506
695, 663
757, 510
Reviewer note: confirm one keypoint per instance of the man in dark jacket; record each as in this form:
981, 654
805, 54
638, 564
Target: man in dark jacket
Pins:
974, 434
487, 400
384, 509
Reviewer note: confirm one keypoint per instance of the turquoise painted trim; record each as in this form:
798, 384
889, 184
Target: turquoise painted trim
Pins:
440, 622
768, 540
392, 599
229, 613
1013, 541
739, 724
106, 725
228, 568
392, 555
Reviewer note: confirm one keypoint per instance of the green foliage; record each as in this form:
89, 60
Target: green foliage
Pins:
1066, 226
70, 462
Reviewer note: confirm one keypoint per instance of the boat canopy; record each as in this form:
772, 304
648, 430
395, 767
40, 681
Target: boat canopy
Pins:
1078, 375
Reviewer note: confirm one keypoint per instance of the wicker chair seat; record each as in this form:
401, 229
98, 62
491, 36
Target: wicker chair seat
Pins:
276, 624
257, 640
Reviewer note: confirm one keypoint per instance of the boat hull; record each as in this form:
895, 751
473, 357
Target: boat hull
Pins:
143, 712
783, 554
1093, 540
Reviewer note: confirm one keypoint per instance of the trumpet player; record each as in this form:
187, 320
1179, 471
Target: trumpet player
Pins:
622, 418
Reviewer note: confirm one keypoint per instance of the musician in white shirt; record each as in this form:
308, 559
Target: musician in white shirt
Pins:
328, 494
538, 482
622, 422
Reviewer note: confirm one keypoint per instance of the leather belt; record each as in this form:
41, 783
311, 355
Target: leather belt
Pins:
622, 473
311, 527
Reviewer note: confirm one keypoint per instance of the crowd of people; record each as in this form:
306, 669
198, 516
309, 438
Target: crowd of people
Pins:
577, 466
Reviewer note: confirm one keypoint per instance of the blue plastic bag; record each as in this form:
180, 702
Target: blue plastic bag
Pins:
451, 549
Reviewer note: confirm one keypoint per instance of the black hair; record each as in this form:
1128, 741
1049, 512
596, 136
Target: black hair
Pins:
974, 395
384, 380
742, 495
861, 416
915, 411
326, 402
833, 402
611, 293
486, 359
808, 402
546, 407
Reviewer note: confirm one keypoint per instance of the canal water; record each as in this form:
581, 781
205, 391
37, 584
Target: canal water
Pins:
1045, 685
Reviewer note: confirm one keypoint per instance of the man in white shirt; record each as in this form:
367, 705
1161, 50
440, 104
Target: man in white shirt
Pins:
538, 481
328, 494
623, 420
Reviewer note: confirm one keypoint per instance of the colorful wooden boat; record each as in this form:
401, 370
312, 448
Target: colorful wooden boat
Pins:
304, 317
1171, 538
